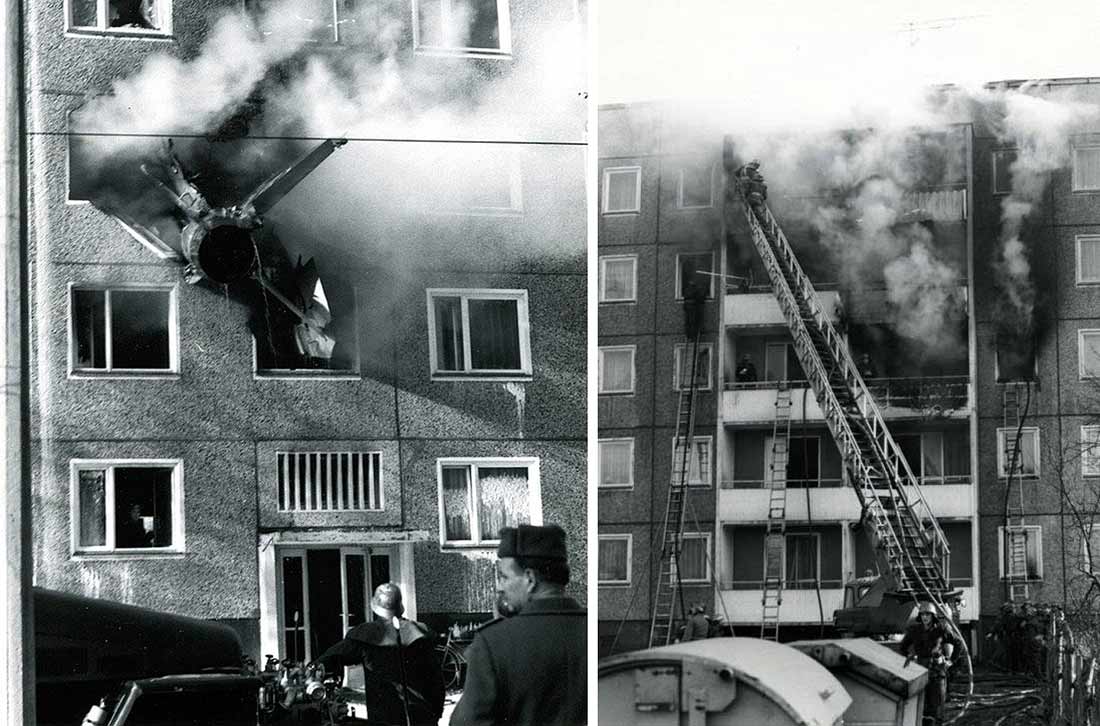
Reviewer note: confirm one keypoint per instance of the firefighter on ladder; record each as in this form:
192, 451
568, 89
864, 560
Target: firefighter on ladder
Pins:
931, 644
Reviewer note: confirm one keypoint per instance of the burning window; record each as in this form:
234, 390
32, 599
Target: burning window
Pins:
696, 188
1027, 457
1088, 259
618, 278
698, 464
1088, 353
695, 268
119, 15
479, 333
128, 330
801, 560
477, 497
1015, 359
681, 363
1021, 552
466, 26
1003, 159
616, 457
616, 369
131, 506
622, 189
1086, 169
614, 559
695, 557
326, 481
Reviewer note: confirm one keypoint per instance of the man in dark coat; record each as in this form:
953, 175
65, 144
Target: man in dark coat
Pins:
932, 645
403, 676
528, 667
695, 297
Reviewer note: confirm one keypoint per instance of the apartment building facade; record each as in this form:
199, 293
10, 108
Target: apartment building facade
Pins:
188, 458
944, 396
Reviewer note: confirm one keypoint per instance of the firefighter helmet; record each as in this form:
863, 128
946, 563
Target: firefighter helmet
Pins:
387, 601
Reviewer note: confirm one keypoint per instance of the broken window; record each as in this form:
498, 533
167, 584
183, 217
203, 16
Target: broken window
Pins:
1015, 359
1003, 159
1027, 460
1088, 259
123, 329
119, 15
698, 464
616, 458
465, 26
622, 189
1088, 352
616, 369
682, 362
1086, 168
319, 481
325, 344
479, 497
695, 557
696, 188
1021, 552
697, 268
614, 559
801, 560
479, 332
618, 278
126, 507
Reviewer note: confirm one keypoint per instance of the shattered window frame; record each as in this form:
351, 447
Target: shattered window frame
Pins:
1079, 183
1034, 538
1000, 154
110, 371
608, 172
1093, 239
1086, 374
328, 374
473, 465
109, 548
680, 189
601, 458
601, 359
1026, 433
680, 353
699, 445
604, 261
446, 9
703, 537
467, 372
102, 27
628, 569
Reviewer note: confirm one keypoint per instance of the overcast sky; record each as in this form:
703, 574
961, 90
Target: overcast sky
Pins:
763, 50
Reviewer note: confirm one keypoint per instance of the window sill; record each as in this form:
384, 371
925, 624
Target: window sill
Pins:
495, 212
1091, 190
615, 487
615, 393
694, 209
1018, 581
128, 555
631, 301
313, 374
83, 375
458, 377
468, 546
620, 212
126, 33
615, 584
489, 53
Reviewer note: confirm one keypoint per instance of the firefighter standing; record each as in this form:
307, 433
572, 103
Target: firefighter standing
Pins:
746, 371
694, 299
698, 625
931, 645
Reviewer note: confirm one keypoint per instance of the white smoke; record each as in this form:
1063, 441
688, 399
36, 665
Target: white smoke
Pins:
925, 293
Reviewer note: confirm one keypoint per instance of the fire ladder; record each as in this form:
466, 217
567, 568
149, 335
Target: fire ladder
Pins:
668, 578
1016, 574
774, 550
909, 543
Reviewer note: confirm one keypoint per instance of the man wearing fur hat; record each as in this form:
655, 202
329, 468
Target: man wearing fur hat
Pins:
529, 666
932, 645
403, 677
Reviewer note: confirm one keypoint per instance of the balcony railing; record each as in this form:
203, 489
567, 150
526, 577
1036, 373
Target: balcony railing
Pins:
787, 584
935, 394
833, 483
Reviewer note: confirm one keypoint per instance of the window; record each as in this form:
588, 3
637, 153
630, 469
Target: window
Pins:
123, 506
618, 278
329, 481
123, 329
1003, 159
622, 189
492, 180
479, 496
1090, 451
616, 369
614, 559
924, 454
681, 357
1086, 169
781, 363
1027, 461
1088, 259
1021, 552
801, 560
1088, 351
696, 188
695, 557
616, 463
694, 267
698, 465
479, 333
284, 348
322, 21
121, 16
1015, 359
468, 27
803, 460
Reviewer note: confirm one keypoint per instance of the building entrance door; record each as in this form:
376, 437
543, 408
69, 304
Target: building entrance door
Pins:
324, 592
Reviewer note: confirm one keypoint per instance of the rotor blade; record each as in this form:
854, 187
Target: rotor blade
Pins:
147, 237
278, 295
268, 194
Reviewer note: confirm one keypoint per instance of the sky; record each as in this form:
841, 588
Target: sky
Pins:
799, 52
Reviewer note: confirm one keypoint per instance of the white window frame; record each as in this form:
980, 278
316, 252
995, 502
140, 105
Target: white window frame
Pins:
504, 33
110, 372
707, 563
680, 275
695, 441
1030, 528
478, 374
1081, 335
534, 494
604, 260
1078, 239
164, 18
607, 172
817, 548
1077, 182
622, 537
178, 523
680, 192
616, 485
681, 352
1090, 448
993, 179
1036, 448
603, 349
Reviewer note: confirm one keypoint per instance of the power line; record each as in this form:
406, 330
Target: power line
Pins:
151, 135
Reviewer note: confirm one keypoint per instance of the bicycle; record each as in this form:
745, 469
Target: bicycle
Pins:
453, 663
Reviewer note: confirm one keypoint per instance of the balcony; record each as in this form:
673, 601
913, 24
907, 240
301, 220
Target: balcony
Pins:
758, 308
738, 502
743, 606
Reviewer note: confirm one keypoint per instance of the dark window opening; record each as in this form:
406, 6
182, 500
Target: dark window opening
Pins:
143, 507
1003, 159
803, 462
1016, 360
284, 344
696, 268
